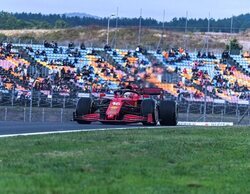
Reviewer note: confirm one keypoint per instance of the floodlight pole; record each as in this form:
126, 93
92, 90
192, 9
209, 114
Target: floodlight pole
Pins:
107, 41
208, 30
205, 103
31, 96
231, 28
139, 36
163, 28
208, 23
186, 24
116, 26
185, 36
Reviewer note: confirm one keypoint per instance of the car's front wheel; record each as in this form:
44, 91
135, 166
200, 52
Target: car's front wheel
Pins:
83, 107
148, 106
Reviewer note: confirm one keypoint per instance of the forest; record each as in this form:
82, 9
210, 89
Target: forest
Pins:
57, 21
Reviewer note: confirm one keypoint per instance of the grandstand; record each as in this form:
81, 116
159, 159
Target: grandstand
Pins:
53, 74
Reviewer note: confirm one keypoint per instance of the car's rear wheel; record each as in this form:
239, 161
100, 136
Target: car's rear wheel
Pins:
83, 122
83, 107
168, 113
148, 106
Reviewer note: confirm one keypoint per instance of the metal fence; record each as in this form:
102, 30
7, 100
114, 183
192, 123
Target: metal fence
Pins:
61, 110
193, 111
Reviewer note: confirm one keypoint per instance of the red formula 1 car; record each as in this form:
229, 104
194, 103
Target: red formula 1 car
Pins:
146, 106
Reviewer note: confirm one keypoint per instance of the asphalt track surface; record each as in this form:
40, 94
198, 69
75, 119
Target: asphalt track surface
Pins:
9, 128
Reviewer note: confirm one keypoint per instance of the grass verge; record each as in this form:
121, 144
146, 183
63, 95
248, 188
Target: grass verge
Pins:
172, 160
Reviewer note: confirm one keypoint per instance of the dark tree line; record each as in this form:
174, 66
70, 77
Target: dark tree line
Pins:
38, 20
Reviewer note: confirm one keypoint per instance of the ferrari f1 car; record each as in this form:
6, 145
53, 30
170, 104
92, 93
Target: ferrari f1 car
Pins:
146, 106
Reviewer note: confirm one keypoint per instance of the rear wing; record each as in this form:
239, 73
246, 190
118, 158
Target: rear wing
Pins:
152, 91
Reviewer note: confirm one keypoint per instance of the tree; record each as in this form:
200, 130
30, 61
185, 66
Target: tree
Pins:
234, 47
3, 37
60, 24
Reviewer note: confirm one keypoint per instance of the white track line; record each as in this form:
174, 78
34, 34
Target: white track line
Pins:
75, 131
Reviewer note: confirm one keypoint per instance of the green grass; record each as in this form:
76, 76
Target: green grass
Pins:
176, 160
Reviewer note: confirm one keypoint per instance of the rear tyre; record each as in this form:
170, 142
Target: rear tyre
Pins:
168, 113
83, 122
148, 106
83, 107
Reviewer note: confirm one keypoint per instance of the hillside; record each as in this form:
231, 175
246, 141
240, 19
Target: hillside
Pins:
127, 38
80, 15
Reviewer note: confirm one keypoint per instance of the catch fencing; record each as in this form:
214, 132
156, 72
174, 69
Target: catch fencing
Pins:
60, 109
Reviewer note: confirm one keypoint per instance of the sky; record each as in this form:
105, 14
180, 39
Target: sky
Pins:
131, 8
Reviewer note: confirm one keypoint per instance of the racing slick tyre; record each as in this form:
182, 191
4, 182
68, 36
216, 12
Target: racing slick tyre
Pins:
148, 106
83, 107
168, 113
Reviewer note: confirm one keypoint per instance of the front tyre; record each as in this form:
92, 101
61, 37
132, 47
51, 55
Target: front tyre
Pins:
84, 106
148, 106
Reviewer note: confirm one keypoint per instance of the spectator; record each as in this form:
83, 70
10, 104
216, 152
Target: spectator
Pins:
71, 45
138, 49
225, 55
107, 48
204, 55
198, 54
61, 50
82, 46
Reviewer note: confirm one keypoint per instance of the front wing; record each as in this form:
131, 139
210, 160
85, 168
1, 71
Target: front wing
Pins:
127, 118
